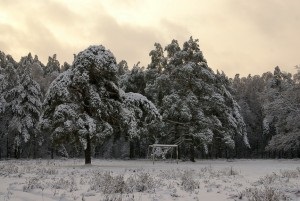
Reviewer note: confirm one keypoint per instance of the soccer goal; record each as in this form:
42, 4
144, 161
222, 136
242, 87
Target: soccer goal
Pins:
161, 150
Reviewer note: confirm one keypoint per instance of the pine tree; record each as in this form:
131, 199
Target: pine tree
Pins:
24, 103
122, 68
281, 109
52, 67
247, 91
65, 67
134, 80
3, 85
37, 72
84, 104
10, 79
193, 102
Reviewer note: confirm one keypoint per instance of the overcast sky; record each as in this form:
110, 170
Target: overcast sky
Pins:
236, 36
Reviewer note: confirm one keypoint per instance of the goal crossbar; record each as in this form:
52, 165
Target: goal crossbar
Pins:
163, 145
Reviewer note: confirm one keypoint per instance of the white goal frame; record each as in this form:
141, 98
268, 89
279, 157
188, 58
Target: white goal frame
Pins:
154, 146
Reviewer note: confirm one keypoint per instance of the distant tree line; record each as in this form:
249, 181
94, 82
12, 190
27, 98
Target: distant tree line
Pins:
97, 107
270, 105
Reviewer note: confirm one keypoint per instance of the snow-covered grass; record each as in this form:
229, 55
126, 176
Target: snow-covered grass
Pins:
113, 180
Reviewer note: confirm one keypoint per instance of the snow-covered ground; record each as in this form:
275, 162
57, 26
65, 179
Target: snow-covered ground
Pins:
48, 180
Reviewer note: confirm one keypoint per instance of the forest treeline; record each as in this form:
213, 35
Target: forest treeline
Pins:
97, 107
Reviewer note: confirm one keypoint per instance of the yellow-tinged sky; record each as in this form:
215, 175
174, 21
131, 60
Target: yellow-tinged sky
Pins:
236, 36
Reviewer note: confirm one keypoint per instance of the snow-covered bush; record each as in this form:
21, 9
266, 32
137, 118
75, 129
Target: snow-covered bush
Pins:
268, 179
143, 181
65, 183
290, 173
38, 169
108, 183
188, 182
33, 183
264, 194
204, 172
8, 169
229, 171
209, 172
46, 171
169, 174
118, 197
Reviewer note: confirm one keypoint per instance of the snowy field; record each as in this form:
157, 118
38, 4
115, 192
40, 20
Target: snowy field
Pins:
66, 180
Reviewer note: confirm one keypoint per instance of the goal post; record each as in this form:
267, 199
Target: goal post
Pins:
155, 147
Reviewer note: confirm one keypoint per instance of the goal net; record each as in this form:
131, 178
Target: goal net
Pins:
157, 151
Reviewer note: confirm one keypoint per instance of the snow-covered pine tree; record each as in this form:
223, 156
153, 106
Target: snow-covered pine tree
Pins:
21, 96
37, 72
281, 114
52, 67
50, 72
296, 76
247, 91
134, 80
65, 67
84, 104
24, 103
122, 67
272, 101
139, 117
3, 85
9, 80
193, 102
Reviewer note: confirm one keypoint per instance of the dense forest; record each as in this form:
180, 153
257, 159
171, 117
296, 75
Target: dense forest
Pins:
98, 107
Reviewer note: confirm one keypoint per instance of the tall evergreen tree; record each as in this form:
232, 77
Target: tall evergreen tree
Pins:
24, 102
281, 109
122, 67
134, 80
193, 102
84, 104
3, 84
52, 67
10, 79
247, 91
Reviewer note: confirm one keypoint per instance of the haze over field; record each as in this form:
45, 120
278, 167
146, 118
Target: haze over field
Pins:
235, 36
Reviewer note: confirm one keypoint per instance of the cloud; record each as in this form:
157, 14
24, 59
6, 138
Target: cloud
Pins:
275, 27
268, 16
42, 25
125, 41
54, 28
133, 43
235, 36
126, 3
33, 29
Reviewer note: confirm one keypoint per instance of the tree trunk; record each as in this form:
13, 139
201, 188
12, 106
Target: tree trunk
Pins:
17, 152
226, 153
34, 147
87, 151
52, 152
1, 143
131, 149
192, 152
7, 147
